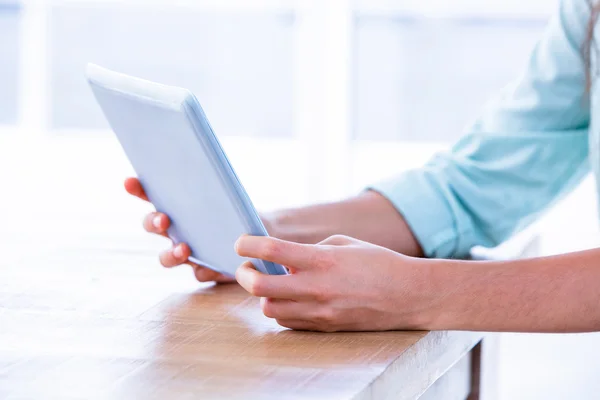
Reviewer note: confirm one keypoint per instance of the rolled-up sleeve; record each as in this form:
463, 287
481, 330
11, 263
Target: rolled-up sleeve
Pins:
528, 148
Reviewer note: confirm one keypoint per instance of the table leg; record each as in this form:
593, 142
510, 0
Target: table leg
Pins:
475, 373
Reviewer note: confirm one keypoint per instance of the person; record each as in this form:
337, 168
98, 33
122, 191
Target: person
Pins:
390, 258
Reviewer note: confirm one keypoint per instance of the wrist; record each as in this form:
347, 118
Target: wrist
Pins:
449, 293
279, 224
293, 226
417, 293
472, 294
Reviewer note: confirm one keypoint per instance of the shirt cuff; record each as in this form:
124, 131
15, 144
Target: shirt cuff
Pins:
420, 199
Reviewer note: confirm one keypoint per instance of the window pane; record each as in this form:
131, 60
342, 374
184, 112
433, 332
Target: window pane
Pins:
9, 61
239, 64
423, 80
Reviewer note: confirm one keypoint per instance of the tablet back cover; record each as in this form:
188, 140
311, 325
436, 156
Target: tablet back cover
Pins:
181, 165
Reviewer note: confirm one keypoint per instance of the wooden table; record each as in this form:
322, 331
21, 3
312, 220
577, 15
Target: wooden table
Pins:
102, 323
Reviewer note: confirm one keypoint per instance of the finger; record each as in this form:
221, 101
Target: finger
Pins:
156, 222
222, 278
279, 251
290, 309
298, 325
204, 274
134, 188
277, 286
176, 256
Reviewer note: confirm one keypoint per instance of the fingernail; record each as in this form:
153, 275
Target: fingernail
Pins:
156, 221
236, 245
178, 251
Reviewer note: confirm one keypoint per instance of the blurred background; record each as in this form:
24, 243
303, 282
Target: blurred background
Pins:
311, 99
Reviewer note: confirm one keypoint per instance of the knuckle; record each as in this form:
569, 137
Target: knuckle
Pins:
147, 222
316, 293
203, 274
256, 286
164, 260
325, 317
338, 239
239, 273
268, 308
325, 258
322, 296
270, 249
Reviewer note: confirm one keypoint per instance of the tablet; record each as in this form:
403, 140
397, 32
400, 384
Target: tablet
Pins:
182, 167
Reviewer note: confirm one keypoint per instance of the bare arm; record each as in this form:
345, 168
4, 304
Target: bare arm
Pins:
343, 284
369, 217
550, 294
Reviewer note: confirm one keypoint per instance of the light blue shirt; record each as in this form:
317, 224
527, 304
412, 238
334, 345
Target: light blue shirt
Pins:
531, 145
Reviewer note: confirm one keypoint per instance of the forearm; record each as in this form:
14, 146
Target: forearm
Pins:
369, 217
550, 294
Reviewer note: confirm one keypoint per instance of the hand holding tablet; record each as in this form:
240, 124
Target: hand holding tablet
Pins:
182, 167
158, 223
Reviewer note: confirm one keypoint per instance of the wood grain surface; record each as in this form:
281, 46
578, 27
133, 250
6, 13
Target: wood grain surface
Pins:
104, 323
